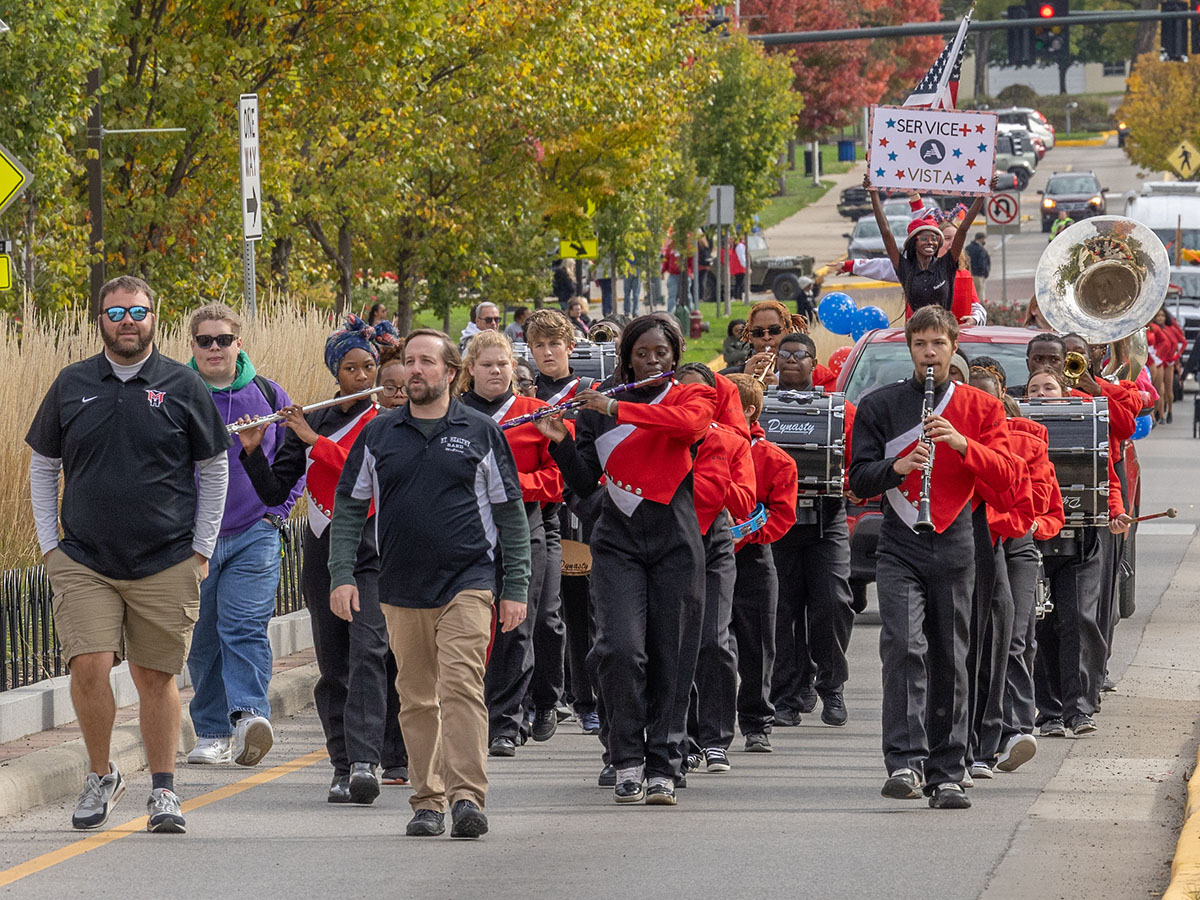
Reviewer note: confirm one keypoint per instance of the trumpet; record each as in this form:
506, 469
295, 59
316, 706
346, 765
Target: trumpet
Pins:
768, 369
924, 523
312, 407
1075, 367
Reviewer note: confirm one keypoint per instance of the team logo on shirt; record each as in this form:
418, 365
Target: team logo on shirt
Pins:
453, 444
156, 398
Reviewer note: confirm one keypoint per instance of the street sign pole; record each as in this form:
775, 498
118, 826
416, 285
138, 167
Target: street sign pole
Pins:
1004, 264
249, 167
1003, 209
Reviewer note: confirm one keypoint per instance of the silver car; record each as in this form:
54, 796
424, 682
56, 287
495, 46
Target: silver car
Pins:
867, 243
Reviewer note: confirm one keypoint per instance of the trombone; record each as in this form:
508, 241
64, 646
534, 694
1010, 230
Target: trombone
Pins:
312, 407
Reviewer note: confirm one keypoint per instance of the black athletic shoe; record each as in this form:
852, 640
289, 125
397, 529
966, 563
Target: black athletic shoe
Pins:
469, 820
903, 784
659, 794
1081, 725
339, 789
1052, 728
949, 796
545, 723
426, 823
757, 742
808, 698
502, 746
833, 709
608, 777
364, 783
629, 791
785, 717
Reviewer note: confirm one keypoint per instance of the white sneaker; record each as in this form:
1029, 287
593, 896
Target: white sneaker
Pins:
252, 738
210, 752
981, 770
1020, 749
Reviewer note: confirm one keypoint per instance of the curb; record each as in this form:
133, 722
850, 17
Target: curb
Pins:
1185, 868
1087, 142
51, 775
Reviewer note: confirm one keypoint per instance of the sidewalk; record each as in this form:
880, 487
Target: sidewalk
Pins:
49, 766
817, 229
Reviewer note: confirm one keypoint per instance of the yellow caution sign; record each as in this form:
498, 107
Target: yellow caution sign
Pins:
579, 248
5, 272
14, 178
1185, 160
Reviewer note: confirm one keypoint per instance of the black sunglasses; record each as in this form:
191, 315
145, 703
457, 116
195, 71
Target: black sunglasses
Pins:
763, 332
117, 313
204, 341
492, 319
797, 355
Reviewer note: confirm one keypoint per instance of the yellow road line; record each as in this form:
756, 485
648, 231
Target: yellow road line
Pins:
100, 839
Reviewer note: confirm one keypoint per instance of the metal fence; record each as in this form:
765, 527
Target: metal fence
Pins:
29, 650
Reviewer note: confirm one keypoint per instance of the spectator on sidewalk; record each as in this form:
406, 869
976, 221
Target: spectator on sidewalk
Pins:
230, 660
516, 328
981, 263
577, 312
484, 317
564, 285
141, 448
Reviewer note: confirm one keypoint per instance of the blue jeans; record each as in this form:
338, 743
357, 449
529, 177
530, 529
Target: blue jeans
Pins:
672, 291
633, 294
230, 660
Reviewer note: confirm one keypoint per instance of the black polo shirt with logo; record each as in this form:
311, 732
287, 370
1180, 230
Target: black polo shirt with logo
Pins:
128, 451
433, 497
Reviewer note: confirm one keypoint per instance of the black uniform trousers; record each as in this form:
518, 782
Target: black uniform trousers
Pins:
549, 632
755, 598
356, 694
1020, 709
991, 637
1113, 546
924, 583
510, 667
576, 616
1069, 639
648, 590
815, 612
714, 693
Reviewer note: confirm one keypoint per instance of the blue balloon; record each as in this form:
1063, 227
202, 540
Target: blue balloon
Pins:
1142, 426
837, 312
858, 332
873, 317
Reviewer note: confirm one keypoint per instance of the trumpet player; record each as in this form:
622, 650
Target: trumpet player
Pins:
925, 579
768, 322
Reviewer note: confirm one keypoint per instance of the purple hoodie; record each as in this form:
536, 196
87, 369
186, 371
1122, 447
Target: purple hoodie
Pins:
242, 506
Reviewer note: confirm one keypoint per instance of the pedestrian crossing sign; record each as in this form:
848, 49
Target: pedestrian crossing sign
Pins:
1185, 160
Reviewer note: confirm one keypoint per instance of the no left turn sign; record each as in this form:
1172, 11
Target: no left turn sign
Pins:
1003, 208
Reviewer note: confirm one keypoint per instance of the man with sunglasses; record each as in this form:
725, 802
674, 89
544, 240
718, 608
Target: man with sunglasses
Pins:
142, 451
230, 660
484, 317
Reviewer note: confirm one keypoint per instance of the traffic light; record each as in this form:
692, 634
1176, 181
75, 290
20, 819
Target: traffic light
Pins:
1196, 28
1051, 43
1020, 40
1174, 31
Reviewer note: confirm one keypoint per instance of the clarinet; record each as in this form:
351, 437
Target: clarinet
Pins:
924, 523
575, 404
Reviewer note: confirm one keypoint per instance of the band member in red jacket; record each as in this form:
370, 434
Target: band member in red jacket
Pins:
647, 555
925, 579
724, 487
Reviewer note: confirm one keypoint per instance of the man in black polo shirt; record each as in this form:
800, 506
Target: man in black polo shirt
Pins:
142, 451
446, 493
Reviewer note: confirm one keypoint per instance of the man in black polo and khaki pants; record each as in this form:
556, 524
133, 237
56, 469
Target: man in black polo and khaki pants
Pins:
142, 451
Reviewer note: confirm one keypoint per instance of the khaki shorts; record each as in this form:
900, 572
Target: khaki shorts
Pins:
155, 614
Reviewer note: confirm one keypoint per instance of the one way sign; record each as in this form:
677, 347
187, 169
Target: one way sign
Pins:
251, 185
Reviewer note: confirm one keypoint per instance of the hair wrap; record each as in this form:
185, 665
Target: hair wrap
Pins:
358, 335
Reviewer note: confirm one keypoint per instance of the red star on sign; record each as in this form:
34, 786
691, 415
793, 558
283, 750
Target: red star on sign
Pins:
883, 142
899, 173
970, 163
912, 145
982, 181
979, 128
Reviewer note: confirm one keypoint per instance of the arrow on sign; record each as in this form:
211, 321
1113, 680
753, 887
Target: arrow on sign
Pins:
252, 205
14, 178
578, 249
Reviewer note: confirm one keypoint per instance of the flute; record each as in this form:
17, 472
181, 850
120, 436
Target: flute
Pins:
924, 523
575, 404
279, 416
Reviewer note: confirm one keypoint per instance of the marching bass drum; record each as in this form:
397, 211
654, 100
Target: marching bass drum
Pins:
810, 426
1078, 432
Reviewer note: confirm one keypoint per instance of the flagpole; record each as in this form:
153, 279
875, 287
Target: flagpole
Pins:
948, 71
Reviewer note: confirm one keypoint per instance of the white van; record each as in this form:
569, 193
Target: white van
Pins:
1169, 208
1029, 119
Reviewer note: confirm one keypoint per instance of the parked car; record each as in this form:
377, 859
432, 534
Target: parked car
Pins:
866, 241
1016, 157
1079, 193
856, 203
896, 208
1031, 119
789, 278
881, 357
1028, 138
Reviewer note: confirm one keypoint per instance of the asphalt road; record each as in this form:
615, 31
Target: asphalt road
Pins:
1095, 817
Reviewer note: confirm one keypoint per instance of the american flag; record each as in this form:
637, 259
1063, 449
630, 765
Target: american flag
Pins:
939, 88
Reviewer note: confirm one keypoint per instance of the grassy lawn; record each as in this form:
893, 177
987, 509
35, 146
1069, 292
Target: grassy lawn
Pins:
800, 189
1080, 135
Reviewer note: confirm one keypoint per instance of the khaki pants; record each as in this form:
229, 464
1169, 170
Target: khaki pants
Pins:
440, 655
980, 281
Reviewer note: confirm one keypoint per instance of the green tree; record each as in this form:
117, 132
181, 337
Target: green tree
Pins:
1162, 108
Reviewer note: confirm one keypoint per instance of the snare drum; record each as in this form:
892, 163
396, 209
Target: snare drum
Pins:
1079, 450
811, 428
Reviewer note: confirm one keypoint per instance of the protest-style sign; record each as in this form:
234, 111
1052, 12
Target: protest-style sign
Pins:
933, 151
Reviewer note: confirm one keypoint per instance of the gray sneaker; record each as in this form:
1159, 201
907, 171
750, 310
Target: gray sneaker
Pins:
252, 738
97, 799
165, 815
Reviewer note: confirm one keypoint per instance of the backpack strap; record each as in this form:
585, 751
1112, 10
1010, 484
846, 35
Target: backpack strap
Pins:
268, 391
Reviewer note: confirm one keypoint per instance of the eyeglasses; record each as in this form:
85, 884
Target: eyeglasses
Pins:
491, 320
391, 390
204, 341
763, 332
797, 355
117, 313
524, 383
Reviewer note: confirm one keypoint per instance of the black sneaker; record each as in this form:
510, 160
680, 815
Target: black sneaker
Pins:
469, 820
364, 783
903, 784
758, 742
833, 709
949, 796
608, 777
808, 698
1081, 725
693, 761
786, 718
1052, 728
716, 759
502, 746
629, 791
426, 823
660, 793
339, 789
545, 723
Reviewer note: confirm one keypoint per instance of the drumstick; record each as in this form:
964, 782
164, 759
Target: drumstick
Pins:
1170, 514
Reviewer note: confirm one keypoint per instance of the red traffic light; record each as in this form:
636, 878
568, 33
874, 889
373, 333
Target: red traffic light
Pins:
1046, 11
